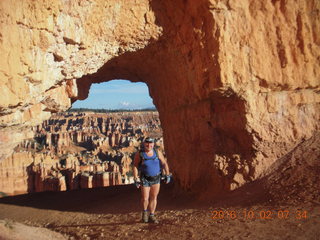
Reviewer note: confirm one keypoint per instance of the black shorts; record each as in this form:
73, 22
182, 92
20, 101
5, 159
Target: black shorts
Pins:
149, 181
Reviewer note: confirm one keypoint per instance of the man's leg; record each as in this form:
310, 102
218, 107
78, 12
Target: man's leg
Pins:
154, 191
145, 202
145, 197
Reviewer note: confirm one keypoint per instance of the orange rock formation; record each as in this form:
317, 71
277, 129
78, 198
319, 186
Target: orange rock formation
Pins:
236, 83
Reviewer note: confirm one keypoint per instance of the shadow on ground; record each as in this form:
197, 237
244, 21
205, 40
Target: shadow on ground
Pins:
126, 198
114, 199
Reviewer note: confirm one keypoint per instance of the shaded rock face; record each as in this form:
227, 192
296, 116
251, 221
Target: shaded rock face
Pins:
236, 83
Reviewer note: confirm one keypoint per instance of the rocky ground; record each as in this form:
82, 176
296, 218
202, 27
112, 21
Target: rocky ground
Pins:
283, 205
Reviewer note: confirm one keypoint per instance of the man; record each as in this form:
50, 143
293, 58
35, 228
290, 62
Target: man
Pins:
147, 164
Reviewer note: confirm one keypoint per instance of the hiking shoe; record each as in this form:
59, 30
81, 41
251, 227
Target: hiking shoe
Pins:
145, 217
153, 219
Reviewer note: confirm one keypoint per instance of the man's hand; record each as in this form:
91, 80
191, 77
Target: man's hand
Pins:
168, 178
137, 183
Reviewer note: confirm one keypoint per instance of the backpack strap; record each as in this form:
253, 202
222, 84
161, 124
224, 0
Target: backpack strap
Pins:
157, 153
141, 158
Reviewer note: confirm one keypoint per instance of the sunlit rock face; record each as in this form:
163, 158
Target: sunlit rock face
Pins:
236, 83
46, 45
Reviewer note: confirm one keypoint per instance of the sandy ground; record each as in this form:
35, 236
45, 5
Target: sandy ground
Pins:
10, 230
101, 215
283, 205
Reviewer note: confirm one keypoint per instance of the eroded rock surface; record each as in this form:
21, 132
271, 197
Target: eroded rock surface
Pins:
236, 83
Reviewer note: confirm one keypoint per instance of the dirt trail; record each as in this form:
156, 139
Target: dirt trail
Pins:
283, 205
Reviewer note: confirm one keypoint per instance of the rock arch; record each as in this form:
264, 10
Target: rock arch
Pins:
233, 88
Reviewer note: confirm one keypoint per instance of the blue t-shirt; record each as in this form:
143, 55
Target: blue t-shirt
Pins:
150, 165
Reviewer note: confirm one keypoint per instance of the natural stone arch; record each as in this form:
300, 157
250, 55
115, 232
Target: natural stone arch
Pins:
232, 85
195, 139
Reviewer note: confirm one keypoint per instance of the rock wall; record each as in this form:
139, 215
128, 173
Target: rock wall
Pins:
236, 83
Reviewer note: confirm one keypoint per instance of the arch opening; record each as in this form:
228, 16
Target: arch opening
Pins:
93, 143
117, 94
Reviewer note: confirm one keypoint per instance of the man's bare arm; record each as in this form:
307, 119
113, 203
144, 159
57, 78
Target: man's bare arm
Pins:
136, 163
164, 163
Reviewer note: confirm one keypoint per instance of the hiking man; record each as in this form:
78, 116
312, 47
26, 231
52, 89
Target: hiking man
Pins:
148, 163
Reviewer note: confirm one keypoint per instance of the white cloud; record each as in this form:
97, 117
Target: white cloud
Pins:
125, 104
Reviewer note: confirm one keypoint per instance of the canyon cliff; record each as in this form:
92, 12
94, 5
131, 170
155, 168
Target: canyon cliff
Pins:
236, 83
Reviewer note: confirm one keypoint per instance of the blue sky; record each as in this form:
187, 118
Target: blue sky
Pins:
117, 94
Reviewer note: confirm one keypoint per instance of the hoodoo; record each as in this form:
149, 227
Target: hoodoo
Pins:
236, 83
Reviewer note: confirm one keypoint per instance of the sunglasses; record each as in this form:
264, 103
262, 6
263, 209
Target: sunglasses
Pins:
149, 140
